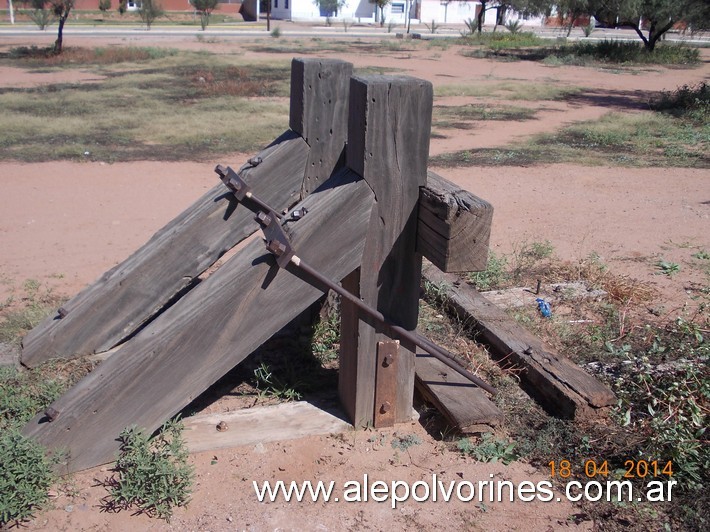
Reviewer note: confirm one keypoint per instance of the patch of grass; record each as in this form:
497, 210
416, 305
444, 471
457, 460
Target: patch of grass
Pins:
152, 473
33, 56
640, 140
35, 304
326, 339
191, 108
509, 91
502, 40
607, 52
461, 116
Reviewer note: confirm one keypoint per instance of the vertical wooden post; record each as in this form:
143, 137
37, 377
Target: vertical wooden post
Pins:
319, 112
388, 145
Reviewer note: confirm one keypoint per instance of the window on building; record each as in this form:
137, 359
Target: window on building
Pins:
397, 9
276, 4
285, 4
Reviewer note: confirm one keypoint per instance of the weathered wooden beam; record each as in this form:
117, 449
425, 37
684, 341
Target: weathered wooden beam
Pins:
559, 385
214, 327
319, 113
262, 424
463, 404
388, 144
454, 226
132, 293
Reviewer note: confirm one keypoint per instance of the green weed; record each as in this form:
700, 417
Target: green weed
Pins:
25, 477
489, 449
667, 268
494, 276
403, 443
270, 387
152, 473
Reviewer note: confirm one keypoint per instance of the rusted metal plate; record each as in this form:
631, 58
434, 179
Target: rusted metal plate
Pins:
386, 383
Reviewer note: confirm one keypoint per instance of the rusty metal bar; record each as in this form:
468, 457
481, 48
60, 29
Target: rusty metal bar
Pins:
436, 351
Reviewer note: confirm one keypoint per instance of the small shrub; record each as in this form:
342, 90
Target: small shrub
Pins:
150, 11
691, 101
402, 443
667, 268
43, 18
276, 32
589, 29
25, 477
104, 5
514, 26
152, 473
432, 27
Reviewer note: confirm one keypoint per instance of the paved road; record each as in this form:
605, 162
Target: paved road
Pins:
290, 29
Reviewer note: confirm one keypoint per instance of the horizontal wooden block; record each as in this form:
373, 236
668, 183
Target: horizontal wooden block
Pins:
454, 226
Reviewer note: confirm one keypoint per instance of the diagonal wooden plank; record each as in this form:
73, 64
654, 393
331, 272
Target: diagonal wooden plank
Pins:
133, 292
559, 385
214, 327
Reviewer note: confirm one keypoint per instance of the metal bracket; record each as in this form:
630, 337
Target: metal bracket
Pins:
233, 181
277, 241
386, 384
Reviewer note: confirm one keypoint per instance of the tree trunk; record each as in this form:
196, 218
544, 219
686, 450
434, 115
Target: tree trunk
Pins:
481, 13
60, 37
12, 11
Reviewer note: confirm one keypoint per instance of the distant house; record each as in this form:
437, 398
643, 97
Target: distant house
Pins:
440, 11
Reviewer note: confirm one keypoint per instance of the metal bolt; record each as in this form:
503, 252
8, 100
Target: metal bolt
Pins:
387, 361
276, 247
263, 218
255, 161
385, 407
220, 170
62, 312
51, 414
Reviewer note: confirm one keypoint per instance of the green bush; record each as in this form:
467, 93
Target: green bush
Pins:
25, 476
612, 51
690, 101
502, 40
151, 473
489, 449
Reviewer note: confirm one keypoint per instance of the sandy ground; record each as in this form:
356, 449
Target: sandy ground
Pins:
65, 223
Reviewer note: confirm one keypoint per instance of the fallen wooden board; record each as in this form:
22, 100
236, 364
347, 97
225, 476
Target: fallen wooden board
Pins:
213, 328
463, 403
559, 385
286, 421
454, 226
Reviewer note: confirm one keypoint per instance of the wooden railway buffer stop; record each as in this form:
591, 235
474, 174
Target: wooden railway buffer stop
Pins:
343, 201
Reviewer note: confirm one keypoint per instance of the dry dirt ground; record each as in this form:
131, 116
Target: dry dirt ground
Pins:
65, 223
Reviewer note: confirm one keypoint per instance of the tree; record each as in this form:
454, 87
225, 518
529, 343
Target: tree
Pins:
382, 4
204, 8
329, 7
59, 9
149, 11
104, 5
654, 16
571, 10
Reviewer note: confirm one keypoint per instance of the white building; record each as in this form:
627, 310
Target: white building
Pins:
442, 12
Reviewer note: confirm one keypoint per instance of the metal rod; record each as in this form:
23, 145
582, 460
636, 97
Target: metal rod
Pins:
436, 351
